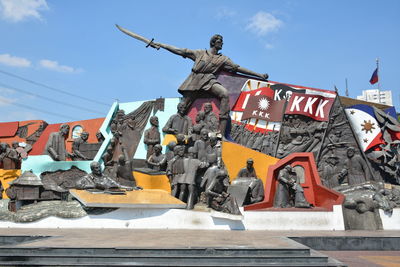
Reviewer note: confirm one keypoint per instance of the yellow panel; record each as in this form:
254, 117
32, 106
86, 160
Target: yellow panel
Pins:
132, 198
147, 181
7, 176
235, 157
168, 138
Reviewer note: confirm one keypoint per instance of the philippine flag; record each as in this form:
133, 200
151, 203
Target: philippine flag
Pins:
374, 78
365, 125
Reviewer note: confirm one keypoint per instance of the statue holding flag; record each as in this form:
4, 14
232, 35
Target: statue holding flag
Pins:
202, 78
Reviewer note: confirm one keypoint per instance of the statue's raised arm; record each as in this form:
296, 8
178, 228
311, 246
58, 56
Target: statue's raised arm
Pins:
207, 63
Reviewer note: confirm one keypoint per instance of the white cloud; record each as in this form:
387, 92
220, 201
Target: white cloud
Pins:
54, 65
18, 10
225, 12
9, 60
5, 101
269, 46
263, 23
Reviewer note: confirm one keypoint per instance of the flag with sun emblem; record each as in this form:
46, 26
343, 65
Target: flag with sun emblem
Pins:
365, 125
264, 108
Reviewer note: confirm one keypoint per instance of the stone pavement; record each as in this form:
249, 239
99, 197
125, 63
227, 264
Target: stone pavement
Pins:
204, 238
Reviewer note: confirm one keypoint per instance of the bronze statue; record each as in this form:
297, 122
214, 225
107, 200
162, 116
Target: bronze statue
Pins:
8, 157
247, 176
98, 180
152, 136
178, 123
355, 169
78, 155
55, 146
202, 146
217, 196
176, 170
203, 76
210, 119
289, 192
157, 161
124, 175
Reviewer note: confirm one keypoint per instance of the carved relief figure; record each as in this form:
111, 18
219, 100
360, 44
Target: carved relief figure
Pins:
178, 123
77, 155
55, 146
152, 136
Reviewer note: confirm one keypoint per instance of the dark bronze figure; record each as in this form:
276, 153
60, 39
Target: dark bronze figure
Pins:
78, 155
289, 192
157, 161
178, 123
98, 180
202, 146
124, 170
202, 78
9, 158
55, 146
247, 177
217, 196
152, 136
355, 169
210, 119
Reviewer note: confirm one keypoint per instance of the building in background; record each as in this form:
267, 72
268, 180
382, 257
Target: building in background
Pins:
377, 96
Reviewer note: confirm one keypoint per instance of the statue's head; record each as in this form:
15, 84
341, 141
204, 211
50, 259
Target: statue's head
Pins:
84, 136
288, 168
157, 149
200, 116
181, 108
197, 128
204, 134
221, 174
192, 152
179, 151
154, 121
207, 108
180, 139
216, 41
350, 152
95, 167
171, 145
3, 147
14, 144
64, 129
250, 163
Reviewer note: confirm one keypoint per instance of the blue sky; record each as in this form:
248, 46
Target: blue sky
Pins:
74, 46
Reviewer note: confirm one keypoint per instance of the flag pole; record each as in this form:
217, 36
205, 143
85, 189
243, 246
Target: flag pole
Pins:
377, 73
347, 89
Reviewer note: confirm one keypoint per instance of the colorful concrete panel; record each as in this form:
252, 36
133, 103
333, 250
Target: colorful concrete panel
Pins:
150, 181
7, 176
133, 199
235, 158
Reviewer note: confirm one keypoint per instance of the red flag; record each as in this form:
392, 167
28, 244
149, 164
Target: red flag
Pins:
314, 106
244, 97
374, 78
264, 108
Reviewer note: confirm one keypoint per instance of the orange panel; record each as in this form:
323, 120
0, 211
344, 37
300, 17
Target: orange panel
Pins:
147, 181
235, 157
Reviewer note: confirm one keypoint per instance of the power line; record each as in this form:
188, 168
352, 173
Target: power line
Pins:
36, 109
47, 98
52, 88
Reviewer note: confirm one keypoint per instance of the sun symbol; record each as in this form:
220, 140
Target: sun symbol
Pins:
263, 103
368, 126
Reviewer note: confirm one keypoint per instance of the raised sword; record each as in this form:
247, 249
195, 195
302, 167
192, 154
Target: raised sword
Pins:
139, 37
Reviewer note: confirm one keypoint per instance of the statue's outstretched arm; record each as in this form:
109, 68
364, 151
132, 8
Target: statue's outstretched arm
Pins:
172, 49
252, 73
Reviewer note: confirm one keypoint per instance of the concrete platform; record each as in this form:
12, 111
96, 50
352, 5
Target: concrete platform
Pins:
194, 241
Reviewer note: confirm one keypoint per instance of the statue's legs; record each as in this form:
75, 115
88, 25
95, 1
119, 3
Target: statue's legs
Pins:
191, 196
224, 109
182, 189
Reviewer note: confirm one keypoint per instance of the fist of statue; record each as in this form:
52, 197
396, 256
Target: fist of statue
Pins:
265, 76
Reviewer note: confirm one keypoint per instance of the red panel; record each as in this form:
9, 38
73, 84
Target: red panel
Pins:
8, 129
316, 194
38, 147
